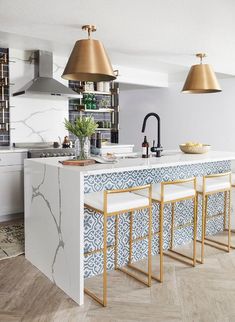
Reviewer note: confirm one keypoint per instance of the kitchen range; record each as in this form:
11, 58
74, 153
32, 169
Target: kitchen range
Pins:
44, 149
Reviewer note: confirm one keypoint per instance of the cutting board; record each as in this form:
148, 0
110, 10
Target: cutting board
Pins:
78, 162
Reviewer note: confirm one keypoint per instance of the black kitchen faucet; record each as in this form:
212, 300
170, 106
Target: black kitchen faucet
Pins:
154, 148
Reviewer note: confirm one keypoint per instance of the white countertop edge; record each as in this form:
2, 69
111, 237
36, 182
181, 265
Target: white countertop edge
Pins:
151, 163
9, 149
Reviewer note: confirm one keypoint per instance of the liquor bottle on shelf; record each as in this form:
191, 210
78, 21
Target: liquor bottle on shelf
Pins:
145, 148
3, 58
93, 103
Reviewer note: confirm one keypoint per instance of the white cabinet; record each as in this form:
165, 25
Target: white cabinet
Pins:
11, 183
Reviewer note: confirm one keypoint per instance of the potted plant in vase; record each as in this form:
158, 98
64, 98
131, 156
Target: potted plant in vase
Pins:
82, 128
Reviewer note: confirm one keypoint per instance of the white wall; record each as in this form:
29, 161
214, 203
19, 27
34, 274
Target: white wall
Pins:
207, 118
40, 118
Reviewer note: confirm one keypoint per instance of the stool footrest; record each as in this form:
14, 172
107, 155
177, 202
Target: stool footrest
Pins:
209, 242
179, 259
145, 273
219, 245
95, 297
134, 276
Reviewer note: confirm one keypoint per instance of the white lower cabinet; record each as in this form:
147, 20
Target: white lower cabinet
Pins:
11, 183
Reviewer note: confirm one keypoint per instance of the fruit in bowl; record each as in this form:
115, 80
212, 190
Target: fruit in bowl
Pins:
195, 148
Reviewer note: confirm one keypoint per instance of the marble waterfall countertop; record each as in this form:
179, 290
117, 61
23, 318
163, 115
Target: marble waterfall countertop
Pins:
59, 231
168, 159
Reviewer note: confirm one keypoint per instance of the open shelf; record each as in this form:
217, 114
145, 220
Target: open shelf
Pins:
100, 110
96, 92
104, 129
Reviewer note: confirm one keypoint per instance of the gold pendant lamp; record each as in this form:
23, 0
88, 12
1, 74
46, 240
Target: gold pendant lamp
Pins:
201, 79
89, 61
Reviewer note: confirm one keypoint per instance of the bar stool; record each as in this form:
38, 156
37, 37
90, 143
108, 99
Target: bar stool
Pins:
233, 186
113, 203
207, 186
170, 193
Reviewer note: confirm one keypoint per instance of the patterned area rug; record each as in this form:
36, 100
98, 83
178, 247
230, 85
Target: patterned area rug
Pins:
11, 239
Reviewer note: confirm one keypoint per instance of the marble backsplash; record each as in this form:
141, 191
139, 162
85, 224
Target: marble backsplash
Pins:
35, 119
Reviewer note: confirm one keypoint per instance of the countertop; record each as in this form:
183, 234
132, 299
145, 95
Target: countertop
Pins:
168, 159
9, 149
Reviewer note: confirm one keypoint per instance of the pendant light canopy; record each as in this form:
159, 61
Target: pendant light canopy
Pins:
201, 79
89, 61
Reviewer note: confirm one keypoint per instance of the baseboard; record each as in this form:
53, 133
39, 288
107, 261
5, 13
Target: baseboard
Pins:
11, 217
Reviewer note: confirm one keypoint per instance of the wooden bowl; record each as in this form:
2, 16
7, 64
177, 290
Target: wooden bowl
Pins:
195, 149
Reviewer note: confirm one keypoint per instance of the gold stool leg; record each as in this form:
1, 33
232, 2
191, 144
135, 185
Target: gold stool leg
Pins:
116, 243
149, 272
195, 232
104, 250
178, 255
172, 225
203, 227
161, 240
217, 244
130, 238
105, 263
150, 248
229, 219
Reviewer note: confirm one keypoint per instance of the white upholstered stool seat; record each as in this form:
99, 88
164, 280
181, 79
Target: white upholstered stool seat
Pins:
116, 202
233, 179
213, 184
171, 192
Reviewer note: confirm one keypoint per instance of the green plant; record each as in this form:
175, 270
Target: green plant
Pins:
83, 126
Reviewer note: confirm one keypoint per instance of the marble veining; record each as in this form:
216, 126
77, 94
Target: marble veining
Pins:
32, 117
37, 193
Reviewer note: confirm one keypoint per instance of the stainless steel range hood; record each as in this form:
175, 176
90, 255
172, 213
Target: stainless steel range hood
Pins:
44, 83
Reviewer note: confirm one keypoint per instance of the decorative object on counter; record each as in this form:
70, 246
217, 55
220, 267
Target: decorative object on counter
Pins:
195, 148
158, 149
93, 140
56, 145
201, 79
66, 142
78, 162
145, 148
82, 128
89, 61
98, 140
11, 239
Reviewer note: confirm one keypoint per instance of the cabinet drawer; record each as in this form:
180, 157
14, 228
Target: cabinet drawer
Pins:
12, 158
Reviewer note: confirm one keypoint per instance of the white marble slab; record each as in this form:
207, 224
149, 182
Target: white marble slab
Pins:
37, 119
53, 230
169, 159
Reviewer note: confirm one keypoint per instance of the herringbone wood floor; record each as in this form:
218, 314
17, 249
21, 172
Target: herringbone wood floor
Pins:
202, 294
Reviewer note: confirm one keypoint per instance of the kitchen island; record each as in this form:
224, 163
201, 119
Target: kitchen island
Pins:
61, 236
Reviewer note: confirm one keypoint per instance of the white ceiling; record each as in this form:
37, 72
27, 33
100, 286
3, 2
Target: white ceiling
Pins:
157, 35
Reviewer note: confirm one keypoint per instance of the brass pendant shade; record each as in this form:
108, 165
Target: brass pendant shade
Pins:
201, 79
89, 61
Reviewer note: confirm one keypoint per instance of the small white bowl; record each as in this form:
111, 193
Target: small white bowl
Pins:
195, 149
